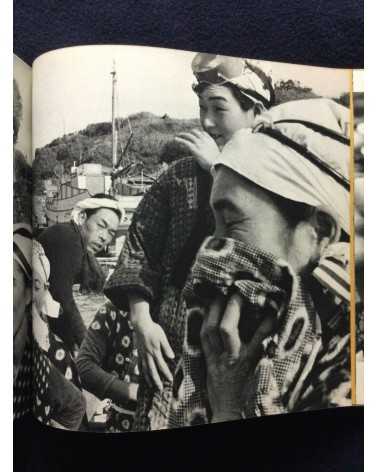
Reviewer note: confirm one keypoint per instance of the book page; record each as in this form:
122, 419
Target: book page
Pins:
358, 107
194, 222
22, 234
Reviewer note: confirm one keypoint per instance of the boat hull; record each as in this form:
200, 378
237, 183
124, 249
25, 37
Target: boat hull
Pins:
59, 210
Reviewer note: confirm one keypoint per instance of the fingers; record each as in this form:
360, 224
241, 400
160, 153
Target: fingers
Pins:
210, 327
200, 134
153, 372
166, 347
185, 137
194, 136
163, 367
154, 362
265, 329
228, 328
191, 146
144, 370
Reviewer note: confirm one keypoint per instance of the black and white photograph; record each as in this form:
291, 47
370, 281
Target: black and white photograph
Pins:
358, 109
22, 237
192, 228
22, 141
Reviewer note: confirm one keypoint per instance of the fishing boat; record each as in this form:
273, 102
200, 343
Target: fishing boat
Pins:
126, 182
84, 181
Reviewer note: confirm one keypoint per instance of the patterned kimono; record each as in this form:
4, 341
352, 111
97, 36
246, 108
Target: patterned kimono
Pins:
304, 362
57, 385
108, 364
168, 228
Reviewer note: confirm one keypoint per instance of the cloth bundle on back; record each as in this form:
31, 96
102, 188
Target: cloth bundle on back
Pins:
298, 151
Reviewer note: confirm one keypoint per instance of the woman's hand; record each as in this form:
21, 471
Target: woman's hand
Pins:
201, 146
230, 363
220, 328
153, 345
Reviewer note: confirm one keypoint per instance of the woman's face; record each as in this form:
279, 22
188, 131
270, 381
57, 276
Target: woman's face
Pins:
39, 289
221, 114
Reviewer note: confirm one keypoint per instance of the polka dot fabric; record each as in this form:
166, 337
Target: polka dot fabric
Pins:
22, 387
41, 372
122, 360
63, 360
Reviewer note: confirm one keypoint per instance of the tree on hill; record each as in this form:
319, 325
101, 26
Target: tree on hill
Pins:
152, 143
17, 111
288, 90
172, 151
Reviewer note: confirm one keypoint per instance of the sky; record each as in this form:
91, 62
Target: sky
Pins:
23, 75
72, 86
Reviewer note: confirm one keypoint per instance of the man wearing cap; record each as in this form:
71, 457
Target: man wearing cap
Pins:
268, 329
170, 224
71, 248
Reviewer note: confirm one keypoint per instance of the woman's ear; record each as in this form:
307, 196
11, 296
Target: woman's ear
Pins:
327, 229
257, 109
323, 245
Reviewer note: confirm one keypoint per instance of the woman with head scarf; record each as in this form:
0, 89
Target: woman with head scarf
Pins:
22, 296
231, 94
281, 203
170, 224
58, 400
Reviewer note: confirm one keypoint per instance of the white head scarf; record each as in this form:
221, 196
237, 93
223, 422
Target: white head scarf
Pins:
45, 306
93, 203
41, 266
316, 131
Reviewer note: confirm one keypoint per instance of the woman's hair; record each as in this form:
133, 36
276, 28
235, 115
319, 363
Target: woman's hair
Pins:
296, 212
91, 212
27, 281
245, 100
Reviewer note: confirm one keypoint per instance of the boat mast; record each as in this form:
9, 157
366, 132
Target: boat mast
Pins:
114, 131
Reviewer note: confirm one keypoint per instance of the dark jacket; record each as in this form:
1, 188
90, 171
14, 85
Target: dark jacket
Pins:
64, 247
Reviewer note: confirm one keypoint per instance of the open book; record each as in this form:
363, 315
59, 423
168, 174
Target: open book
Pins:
188, 238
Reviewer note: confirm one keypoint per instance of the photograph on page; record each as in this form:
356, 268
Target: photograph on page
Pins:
191, 215
358, 111
22, 237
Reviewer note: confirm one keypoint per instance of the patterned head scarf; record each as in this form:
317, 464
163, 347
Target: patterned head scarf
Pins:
242, 73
